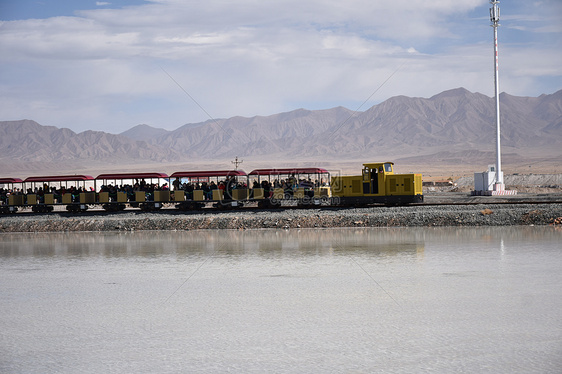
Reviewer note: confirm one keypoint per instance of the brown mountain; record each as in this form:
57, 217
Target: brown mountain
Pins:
286, 134
401, 126
142, 132
455, 126
28, 145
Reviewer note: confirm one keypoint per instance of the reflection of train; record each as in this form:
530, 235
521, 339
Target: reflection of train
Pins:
192, 190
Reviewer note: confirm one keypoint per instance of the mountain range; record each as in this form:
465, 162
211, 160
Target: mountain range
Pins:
452, 127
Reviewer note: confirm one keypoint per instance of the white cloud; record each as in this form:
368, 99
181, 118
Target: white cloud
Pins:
103, 68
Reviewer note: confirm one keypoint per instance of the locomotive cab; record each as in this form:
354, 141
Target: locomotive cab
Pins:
374, 177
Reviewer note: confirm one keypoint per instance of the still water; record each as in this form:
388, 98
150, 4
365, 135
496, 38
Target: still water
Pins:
407, 300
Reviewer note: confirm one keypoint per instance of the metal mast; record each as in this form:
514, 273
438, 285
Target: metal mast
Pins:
495, 19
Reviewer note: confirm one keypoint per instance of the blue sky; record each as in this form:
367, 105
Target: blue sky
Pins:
12, 10
110, 65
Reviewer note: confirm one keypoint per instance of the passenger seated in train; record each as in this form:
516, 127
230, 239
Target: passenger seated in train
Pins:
230, 185
292, 181
255, 185
112, 193
58, 194
213, 186
287, 187
41, 195
308, 187
189, 191
306, 184
222, 187
267, 190
149, 191
206, 190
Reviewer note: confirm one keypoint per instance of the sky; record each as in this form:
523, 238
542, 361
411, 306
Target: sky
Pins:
111, 65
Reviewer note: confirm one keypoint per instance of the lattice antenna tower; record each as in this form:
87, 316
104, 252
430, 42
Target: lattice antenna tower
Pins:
495, 19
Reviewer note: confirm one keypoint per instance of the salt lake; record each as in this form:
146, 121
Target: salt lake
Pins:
396, 300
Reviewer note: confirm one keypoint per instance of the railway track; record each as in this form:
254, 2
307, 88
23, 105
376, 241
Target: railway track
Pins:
521, 202
60, 210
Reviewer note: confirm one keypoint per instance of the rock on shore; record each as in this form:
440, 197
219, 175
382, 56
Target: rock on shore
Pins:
448, 215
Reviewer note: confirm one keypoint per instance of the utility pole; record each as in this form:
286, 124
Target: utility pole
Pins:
495, 19
490, 183
236, 163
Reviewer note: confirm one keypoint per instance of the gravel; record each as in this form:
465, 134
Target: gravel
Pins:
442, 215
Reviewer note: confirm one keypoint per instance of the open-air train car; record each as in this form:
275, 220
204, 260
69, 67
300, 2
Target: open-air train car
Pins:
306, 186
223, 188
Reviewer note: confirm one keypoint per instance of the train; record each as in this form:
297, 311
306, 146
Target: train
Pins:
220, 189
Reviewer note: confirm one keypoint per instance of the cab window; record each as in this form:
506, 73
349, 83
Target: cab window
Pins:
388, 168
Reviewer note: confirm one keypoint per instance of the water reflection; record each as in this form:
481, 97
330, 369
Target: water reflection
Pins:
363, 300
368, 241
210, 242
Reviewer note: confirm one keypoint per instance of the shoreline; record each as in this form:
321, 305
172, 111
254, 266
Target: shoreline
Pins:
409, 216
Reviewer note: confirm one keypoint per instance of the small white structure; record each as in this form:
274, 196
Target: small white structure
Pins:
485, 183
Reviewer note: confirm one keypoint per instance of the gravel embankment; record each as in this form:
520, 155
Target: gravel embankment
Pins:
449, 215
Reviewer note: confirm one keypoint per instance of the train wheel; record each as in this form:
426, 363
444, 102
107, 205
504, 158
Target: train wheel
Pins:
149, 207
112, 207
9, 210
73, 208
221, 206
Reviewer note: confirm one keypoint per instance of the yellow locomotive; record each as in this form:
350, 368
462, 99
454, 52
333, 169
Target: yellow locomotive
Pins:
377, 184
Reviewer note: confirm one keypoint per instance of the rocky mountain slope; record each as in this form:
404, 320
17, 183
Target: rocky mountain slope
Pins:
143, 132
29, 141
453, 126
455, 120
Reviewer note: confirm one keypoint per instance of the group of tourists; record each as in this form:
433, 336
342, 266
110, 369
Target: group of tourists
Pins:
288, 185
41, 191
226, 186
131, 190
